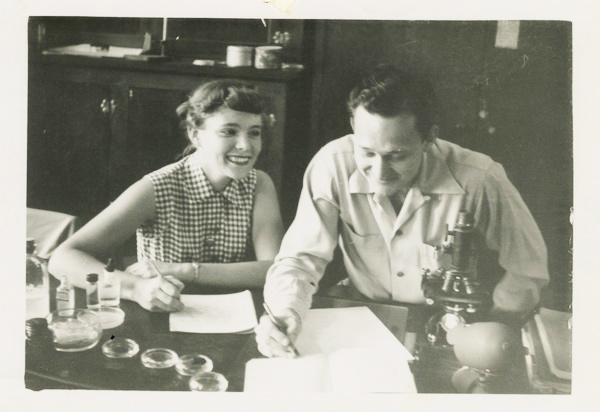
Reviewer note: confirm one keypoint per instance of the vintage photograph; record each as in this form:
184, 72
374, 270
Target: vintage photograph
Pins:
299, 206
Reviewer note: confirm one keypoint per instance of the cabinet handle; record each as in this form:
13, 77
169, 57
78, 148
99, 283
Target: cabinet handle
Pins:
105, 106
113, 106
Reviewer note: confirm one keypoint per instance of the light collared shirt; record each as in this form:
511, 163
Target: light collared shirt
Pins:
384, 253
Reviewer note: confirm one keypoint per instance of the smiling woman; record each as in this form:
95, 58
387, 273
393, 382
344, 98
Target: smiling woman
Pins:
224, 123
209, 219
229, 143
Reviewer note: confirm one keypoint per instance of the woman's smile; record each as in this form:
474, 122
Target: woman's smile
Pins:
239, 160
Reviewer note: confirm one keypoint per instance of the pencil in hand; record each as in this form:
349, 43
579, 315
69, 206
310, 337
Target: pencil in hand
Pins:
281, 327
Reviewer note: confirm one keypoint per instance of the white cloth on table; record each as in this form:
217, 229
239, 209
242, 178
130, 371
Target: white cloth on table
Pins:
49, 229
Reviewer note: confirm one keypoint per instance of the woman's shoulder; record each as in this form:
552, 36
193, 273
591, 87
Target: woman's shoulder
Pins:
168, 172
263, 183
263, 179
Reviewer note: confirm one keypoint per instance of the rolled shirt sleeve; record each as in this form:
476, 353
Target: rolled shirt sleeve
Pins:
307, 246
510, 229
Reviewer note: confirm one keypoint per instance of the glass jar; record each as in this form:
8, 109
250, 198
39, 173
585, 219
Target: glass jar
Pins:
239, 56
268, 57
36, 284
74, 330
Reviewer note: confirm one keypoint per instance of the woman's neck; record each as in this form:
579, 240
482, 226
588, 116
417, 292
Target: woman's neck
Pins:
217, 180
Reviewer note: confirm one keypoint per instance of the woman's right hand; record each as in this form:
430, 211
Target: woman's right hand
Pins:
158, 293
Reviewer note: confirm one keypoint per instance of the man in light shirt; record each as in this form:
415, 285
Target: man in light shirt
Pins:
386, 194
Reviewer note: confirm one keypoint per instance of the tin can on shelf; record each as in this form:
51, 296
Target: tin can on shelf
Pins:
239, 56
267, 57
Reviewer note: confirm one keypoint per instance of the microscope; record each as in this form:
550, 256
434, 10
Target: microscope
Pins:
485, 348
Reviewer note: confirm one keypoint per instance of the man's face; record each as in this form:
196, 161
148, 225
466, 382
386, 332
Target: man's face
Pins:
388, 150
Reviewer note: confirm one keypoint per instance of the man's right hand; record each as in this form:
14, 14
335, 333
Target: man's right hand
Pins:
274, 343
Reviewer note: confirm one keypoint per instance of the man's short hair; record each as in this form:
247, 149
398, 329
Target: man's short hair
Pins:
389, 91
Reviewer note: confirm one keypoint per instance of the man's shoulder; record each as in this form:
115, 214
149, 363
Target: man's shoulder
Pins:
336, 156
334, 161
460, 157
341, 146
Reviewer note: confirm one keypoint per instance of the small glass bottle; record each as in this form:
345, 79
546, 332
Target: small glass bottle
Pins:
36, 284
92, 295
110, 286
65, 295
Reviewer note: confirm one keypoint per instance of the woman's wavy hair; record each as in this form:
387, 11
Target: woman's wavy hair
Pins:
211, 96
389, 91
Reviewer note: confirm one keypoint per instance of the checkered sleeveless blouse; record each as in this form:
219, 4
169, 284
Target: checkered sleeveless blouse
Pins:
194, 223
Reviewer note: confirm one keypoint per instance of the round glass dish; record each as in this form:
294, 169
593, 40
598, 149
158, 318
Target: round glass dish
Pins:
192, 364
120, 348
110, 317
159, 358
74, 330
208, 382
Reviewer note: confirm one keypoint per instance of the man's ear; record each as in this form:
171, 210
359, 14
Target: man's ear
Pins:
430, 138
352, 123
433, 134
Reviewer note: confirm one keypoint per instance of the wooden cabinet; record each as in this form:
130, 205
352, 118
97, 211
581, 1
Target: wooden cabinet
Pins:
68, 146
150, 135
95, 127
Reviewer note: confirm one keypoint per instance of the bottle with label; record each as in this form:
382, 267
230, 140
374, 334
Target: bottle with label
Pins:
36, 283
110, 286
91, 290
65, 295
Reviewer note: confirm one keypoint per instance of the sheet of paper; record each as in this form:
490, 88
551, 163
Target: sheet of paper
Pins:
280, 375
507, 34
350, 370
370, 370
229, 313
328, 330
342, 350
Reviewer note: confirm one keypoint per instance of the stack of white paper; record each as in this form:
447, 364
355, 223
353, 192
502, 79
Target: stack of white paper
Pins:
92, 51
229, 313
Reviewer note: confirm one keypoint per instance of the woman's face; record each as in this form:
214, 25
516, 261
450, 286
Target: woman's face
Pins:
229, 143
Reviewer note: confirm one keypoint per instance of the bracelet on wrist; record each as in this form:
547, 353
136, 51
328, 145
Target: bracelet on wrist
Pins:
196, 267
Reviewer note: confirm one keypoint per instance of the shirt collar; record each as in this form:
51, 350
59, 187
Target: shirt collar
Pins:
199, 188
434, 177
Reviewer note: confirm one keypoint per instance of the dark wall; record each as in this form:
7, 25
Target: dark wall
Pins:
514, 105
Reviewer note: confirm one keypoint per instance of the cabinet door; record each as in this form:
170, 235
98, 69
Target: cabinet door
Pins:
152, 137
68, 147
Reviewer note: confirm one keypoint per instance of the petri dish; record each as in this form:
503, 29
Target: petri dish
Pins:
120, 348
208, 382
192, 364
159, 358
110, 317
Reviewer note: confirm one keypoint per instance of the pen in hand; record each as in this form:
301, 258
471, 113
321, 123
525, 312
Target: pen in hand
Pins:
178, 285
282, 328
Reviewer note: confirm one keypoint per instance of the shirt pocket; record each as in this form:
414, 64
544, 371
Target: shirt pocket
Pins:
370, 249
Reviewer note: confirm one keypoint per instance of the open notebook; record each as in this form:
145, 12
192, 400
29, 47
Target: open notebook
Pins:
342, 350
